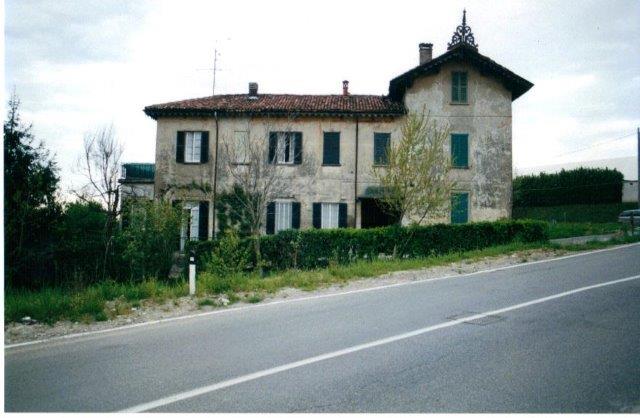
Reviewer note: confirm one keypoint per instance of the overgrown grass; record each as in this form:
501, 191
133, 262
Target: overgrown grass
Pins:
603, 213
90, 304
52, 304
575, 229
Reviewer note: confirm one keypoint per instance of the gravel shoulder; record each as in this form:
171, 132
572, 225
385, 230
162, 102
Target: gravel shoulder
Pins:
150, 311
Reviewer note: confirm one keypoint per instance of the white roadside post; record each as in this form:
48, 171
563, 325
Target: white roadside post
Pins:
192, 273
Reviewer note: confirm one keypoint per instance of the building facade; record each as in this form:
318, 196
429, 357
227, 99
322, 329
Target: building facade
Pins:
328, 145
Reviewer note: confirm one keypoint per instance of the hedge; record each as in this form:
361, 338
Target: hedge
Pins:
602, 213
313, 248
568, 187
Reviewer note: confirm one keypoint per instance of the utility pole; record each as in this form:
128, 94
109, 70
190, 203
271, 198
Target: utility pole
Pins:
638, 178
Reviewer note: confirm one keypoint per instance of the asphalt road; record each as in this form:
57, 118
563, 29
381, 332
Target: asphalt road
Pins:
559, 336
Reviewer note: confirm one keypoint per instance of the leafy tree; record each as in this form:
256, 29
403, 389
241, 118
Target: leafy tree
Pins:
255, 179
100, 165
415, 182
150, 240
30, 208
232, 214
81, 242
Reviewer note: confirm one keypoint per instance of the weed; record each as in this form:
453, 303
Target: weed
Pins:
255, 298
233, 298
206, 302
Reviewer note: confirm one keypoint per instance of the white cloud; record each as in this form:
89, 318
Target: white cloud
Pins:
79, 64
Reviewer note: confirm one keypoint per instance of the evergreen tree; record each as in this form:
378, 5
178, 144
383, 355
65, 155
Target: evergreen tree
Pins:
30, 208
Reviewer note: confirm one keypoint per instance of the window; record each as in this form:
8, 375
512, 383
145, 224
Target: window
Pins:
241, 147
192, 147
460, 150
190, 224
381, 143
330, 215
459, 87
285, 147
459, 208
331, 150
195, 223
283, 216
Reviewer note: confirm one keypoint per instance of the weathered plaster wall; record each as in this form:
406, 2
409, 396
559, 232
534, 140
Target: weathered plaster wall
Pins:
331, 184
144, 190
486, 118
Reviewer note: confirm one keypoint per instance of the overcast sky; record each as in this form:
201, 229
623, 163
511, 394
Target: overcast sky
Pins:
77, 65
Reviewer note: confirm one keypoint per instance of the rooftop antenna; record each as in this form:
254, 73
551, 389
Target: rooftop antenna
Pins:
215, 68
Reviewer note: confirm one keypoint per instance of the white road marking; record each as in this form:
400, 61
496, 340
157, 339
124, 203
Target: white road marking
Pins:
268, 372
278, 302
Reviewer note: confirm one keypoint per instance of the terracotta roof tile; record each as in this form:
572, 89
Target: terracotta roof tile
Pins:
280, 104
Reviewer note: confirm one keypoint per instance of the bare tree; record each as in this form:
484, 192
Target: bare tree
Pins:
261, 167
99, 164
415, 182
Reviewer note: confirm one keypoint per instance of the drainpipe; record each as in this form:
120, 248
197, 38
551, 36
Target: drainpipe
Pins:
355, 183
215, 178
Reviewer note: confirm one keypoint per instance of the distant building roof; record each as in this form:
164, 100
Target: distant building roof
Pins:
280, 105
138, 173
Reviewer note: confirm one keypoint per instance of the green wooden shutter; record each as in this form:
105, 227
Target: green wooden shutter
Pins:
295, 215
463, 88
297, 150
180, 147
381, 143
331, 148
317, 215
455, 82
460, 150
342, 215
203, 221
459, 208
459, 87
273, 144
271, 217
204, 147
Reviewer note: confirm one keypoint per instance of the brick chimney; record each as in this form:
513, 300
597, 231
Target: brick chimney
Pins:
426, 52
345, 88
253, 90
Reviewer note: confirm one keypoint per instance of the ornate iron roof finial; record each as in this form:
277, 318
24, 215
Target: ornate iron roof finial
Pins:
463, 34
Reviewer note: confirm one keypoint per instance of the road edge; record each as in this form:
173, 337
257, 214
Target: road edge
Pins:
302, 299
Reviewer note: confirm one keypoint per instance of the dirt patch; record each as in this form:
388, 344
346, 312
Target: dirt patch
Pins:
150, 311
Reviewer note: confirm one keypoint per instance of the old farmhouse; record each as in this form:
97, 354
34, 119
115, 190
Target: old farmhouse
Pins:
343, 137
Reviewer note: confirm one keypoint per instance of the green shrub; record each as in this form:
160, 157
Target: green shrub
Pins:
579, 186
232, 213
314, 248
150, 239
229, 256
